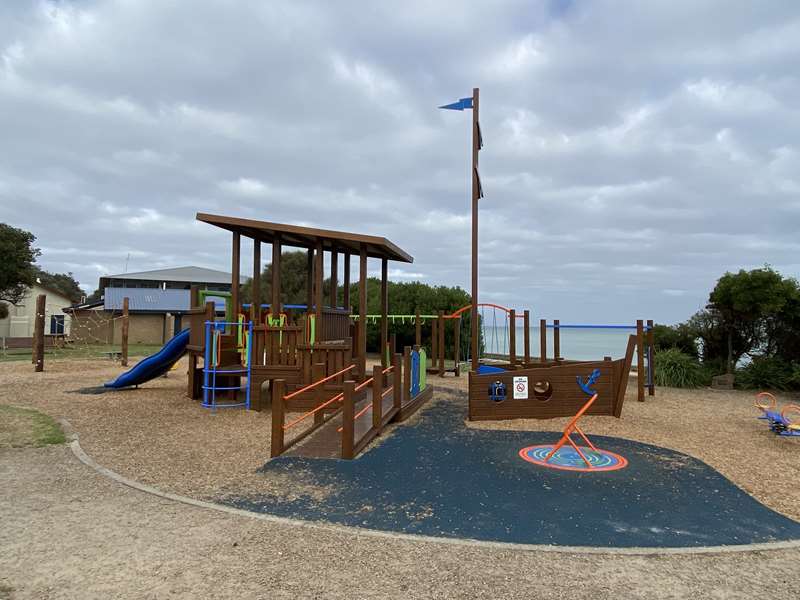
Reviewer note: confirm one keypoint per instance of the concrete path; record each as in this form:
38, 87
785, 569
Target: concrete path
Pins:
68, 532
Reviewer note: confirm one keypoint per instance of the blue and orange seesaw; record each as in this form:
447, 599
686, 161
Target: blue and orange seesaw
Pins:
779, 422
566, 455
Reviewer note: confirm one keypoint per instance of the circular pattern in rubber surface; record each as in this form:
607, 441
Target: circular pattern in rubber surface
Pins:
567, 459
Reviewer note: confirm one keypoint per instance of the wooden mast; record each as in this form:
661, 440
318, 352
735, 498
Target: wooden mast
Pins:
475, 195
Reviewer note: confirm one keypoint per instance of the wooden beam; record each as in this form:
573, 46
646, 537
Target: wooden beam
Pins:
441, 343
346, 291
309, 279
640, 360
275, 303
362, 312
384, 310
526, 336
651, 359
475, 193
278, 391
512, 337
542, 340
255, 300
334, 277
319, 276
126, 321
38, 333
556, 340
235, 262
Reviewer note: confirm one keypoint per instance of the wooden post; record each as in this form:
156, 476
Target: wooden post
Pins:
362, 312
407, 372
346, 291
651, 359
417, 329
476, 146
442, 345
384, 309
512, 337
255, 300
392, 346
278, 409
125, 330
275, 303
397, 381
377, 401
235, 262
434, 341
457, 346
334, 277
556, 340
348, 418
38, 333
542, 340
526, 336
309, 279
319, 276
640, 360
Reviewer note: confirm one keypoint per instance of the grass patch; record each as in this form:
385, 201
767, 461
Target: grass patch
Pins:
80, 351
26, 427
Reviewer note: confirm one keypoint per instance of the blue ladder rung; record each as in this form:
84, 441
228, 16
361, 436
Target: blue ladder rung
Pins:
233, 387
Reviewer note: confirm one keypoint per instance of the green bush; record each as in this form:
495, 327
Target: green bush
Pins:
681, 336
677, 369
767, 373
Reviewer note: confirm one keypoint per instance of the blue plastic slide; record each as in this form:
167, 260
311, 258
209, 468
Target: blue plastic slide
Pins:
155, 365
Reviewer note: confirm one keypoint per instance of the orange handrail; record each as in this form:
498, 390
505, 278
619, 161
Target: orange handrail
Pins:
338, 396
369, 406
316, 383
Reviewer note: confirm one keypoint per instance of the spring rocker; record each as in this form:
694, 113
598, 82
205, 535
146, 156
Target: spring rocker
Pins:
779, 422
574, 457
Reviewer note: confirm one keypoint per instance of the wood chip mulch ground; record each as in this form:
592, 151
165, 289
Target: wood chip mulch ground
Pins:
158, 436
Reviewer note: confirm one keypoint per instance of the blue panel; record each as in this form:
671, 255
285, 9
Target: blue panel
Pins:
460, 105
487, 370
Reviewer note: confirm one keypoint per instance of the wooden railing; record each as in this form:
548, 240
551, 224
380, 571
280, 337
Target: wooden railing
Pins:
335, 325
326, 396
383, 383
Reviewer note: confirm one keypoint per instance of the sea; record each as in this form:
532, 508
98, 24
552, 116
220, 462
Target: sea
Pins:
576, 344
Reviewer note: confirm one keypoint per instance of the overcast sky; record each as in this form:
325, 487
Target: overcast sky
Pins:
634, 151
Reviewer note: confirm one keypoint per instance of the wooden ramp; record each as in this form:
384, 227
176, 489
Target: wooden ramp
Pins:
326, 441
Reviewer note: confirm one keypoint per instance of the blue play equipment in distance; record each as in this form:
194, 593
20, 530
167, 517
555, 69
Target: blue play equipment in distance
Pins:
155, 365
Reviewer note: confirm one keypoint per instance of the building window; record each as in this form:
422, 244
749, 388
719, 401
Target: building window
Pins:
57, 324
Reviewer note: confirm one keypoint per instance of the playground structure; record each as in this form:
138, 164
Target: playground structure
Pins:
510, 386
575, 458
524, 389
779, 422
307, 358
439, 359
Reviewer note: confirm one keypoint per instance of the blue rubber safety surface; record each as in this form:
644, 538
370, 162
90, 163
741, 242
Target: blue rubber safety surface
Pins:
436, 477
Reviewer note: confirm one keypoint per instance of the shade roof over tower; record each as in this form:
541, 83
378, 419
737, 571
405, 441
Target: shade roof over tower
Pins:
307, 237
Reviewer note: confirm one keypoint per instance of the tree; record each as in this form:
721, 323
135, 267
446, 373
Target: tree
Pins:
745, 303
294, 267
61, 282
17, 269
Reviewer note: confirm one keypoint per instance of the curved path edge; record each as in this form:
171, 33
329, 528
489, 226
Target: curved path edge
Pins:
81, 455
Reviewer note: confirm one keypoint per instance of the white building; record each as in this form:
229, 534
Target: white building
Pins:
21, 318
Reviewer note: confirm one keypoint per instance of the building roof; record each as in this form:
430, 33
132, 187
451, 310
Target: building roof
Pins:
184, 274
307, 237
153, 300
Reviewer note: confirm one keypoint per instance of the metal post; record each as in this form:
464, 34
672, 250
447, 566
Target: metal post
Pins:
475, 194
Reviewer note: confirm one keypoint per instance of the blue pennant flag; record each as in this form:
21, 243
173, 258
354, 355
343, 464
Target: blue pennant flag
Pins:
460, 105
